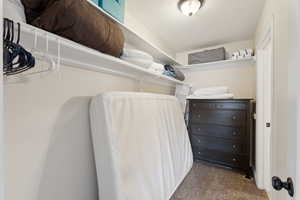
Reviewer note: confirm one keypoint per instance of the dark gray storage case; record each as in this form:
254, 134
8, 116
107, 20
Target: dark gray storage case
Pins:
207, 56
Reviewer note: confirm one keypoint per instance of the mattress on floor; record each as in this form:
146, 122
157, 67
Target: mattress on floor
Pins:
141, 145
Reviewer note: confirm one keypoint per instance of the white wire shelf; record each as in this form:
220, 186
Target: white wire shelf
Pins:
76, 55
223, 63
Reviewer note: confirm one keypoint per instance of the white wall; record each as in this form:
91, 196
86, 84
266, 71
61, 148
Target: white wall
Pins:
284, 109
241, 79
49, 152
141, 29
48, 146
182, 57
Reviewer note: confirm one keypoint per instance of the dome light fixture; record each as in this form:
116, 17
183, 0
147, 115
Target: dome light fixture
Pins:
190, 7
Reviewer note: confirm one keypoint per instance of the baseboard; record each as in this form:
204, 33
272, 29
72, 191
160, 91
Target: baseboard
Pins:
255, 176
269, 195
258, 185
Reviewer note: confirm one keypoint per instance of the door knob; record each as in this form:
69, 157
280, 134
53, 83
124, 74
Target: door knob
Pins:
279, 185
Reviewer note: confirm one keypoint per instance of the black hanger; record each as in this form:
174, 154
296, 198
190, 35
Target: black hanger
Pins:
16, 58
19, 30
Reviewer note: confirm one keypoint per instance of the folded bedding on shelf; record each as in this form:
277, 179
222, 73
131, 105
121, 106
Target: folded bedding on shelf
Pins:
144, 63
141, 145
134, 53
217, 96
157, 68
77, 20
211, 91
137, 57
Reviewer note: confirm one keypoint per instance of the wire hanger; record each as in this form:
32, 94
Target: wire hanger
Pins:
42, 56
16, 58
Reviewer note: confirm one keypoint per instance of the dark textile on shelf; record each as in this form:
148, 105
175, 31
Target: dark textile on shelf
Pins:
178, 74
207, 56
79, 21
34, 8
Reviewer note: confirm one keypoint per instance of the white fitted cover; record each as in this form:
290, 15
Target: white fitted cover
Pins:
141, 145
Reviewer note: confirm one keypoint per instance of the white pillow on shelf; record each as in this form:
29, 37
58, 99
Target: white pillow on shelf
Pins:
14, 10
137, 57
134, 53
144, 63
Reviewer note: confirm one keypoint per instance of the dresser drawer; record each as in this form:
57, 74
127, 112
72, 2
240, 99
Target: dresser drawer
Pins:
217, 105
221, 117
227, 132
222, 158
218, 144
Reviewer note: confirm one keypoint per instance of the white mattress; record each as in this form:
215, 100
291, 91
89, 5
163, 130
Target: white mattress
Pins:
141, 145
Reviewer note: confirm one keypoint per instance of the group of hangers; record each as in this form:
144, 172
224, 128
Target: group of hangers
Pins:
16, 59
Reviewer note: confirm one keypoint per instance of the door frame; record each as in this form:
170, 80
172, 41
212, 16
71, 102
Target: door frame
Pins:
263, 155
297, 173
1, 110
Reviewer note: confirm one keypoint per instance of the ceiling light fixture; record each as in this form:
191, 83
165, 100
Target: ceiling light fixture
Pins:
190, 7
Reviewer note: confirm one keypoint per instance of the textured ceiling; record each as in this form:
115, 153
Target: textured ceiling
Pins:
219, 21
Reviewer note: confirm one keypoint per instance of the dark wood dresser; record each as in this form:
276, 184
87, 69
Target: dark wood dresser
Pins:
221, 132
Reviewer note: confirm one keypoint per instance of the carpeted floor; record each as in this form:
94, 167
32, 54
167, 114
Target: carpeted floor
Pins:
206, 182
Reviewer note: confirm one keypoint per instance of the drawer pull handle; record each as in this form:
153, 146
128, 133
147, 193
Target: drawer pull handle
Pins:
234, 117
199, 129
199, 116
199, 141
234, 159
194, 105
199, 153
234, 146
234, 133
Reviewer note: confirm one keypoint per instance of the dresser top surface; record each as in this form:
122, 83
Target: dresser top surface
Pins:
221, 100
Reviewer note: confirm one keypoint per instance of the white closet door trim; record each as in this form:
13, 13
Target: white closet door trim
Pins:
1, 111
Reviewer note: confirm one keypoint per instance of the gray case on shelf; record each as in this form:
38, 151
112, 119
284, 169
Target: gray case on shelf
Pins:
207, 56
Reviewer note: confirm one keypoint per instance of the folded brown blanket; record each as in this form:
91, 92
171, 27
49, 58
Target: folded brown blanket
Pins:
77, 20
34, 8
